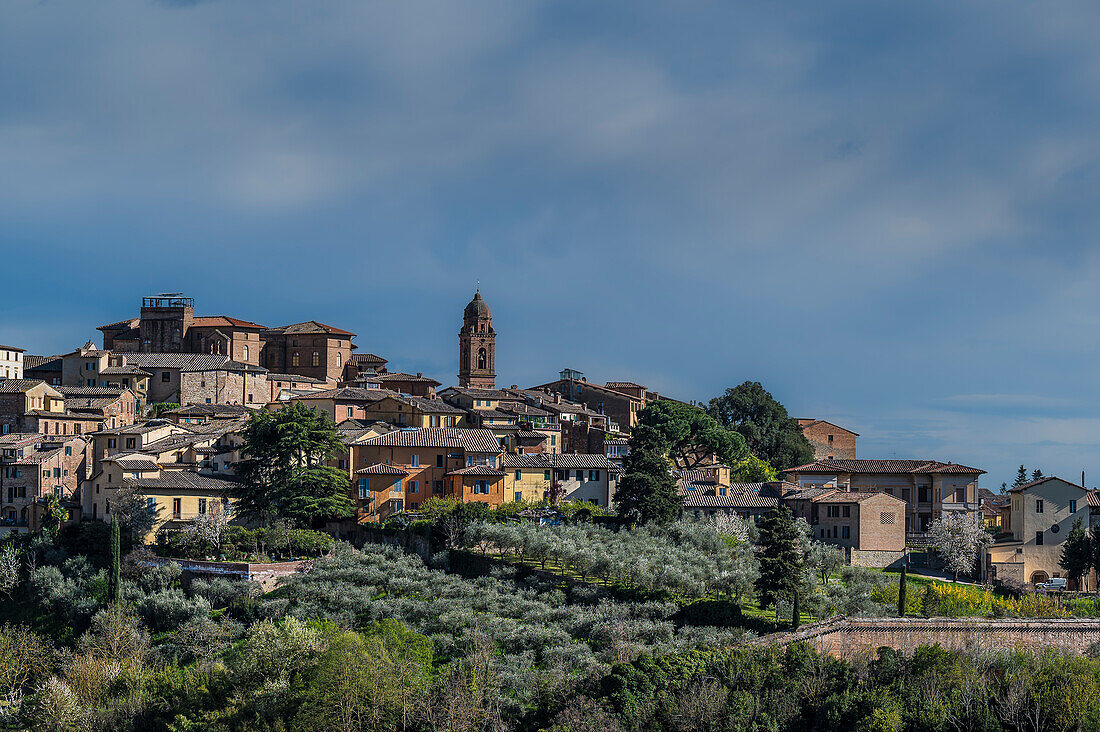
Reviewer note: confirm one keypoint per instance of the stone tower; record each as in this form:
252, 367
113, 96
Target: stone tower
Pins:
477, 346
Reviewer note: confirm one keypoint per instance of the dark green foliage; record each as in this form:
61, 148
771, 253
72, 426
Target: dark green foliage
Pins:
1021, 477
1037, 474
647, 492
769, 432
691, 436
901, 593
1077, 550
781, 558
116, 561
241, 544
285, 473
91, 539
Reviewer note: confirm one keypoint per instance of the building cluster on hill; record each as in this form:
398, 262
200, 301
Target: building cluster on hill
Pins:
161, 406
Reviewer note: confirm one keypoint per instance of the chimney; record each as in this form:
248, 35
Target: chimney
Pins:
419, 374
557, 397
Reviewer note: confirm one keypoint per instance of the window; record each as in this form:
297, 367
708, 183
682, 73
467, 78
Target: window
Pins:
593, 475
150, 504
830, 439
845, 532
202, 505
580, 475
414, 461
414, 486
847, 512
339, 359
887, 519
397, 485
316, 359
244, 351
111, 443
433, 420
1038, 538
1039, 505
364, 487
165, 376
439, 460
294, 359
69, 451
177, 507
546, 475
437, 486
519, 475
130, 442
88, 366
91, 382
1073, 505
481, 486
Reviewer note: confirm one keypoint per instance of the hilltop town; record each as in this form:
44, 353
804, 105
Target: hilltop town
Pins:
159, 407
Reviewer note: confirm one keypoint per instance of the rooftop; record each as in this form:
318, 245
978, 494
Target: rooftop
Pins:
884, 466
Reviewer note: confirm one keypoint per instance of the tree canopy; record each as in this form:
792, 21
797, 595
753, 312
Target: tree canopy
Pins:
769, 432
284, 474
671, 434
782, 557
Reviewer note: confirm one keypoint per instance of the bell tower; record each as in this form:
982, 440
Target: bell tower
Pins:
477, 346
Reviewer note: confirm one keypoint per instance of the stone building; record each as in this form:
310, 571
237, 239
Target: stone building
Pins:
168, 324
928, 487
11, 362
115, 407
830, 441
620, 408
33, 466
1040, 516
477, 346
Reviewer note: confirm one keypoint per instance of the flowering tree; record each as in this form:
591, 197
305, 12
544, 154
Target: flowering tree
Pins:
210, 525
958, 539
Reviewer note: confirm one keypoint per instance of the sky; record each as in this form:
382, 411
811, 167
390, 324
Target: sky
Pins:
886, 212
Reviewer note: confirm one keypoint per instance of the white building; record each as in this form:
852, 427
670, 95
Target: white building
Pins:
11, 362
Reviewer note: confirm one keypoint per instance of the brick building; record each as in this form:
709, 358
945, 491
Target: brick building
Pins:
868, 526
477, 346
113, 406
830, 441
168, 324
928, 487
33, 466
309, 349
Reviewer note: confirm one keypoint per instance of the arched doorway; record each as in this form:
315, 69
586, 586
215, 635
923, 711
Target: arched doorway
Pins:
1039, 576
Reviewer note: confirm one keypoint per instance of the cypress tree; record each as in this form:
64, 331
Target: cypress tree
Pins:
796, 612
901, 593
781, 558
115, 561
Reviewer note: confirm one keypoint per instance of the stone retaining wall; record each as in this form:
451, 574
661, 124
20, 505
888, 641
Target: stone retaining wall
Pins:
880, 559
267, 575
853, 637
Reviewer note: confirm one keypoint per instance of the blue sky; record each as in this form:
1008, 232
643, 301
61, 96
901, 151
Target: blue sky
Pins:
884, 211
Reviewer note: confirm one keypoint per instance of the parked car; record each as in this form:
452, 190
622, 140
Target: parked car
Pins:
1057, 584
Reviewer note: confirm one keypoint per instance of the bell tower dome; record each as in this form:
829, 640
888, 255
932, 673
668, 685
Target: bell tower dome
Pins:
477, 346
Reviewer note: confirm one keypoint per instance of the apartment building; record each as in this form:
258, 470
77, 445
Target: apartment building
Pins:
11, 362
572, 477
33, 466
399, 470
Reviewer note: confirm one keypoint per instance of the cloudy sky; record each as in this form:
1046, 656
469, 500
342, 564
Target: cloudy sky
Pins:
884, 211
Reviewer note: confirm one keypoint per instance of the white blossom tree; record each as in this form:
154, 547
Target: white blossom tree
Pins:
210, 525
959, 540
9, 570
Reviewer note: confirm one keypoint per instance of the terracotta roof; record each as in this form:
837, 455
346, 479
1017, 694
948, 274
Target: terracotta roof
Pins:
208, 410
398, 376
13, 348
851, 497
732, 500
381, 469
213, 321
883, 466
91, 391
50, 363
311, 326
182, 480
366, 358
348, 394
294, 377
620, 384
565, 461
1094, 499
810, 422
429, 406
472, 440
1040, 481
136, 462
128, 323
476, 470
124, 370
18, 386
188, 361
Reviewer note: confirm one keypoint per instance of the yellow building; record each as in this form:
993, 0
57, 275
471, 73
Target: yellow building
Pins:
574, 477
412, 411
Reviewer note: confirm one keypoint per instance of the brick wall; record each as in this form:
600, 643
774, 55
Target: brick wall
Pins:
223, 387
850, 638
842, 446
